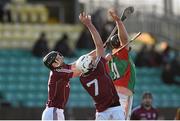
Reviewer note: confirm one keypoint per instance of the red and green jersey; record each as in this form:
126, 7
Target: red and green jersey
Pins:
122, 69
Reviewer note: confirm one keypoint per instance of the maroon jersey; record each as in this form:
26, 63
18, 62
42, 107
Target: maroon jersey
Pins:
140, 113
100, 86
58, 87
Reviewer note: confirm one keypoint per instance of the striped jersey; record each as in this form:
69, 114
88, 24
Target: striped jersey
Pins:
122, 69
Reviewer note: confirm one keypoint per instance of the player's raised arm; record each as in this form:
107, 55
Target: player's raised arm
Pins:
86, 20
122, 33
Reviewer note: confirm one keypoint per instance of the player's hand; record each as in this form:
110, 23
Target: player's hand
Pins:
114, 15
85, 18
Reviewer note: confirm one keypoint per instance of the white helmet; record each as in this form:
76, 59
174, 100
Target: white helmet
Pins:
83, 63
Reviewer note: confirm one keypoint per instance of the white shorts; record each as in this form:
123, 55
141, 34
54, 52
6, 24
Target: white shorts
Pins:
114, 113
126, 104
52, 113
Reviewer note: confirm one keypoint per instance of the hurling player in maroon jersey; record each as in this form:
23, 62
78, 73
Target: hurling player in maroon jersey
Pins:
96, 80
146, 110
58, 85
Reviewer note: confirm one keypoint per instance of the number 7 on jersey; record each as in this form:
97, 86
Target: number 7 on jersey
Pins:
95, 82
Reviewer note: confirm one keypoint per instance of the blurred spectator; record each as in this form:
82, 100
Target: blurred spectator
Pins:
154, 57
99, 19
142, 57
175, 63
3, 102
63, 47
1, 98
107, 29
177, 117
7, 12
145, 111
168, 76
165, 55
84, 40
41, 48
1, 12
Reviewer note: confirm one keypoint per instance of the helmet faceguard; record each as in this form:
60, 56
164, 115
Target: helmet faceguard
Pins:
50, 58
84, 63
